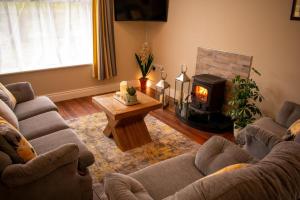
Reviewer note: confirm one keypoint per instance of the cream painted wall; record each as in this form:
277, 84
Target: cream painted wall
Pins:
261, 29
129, 37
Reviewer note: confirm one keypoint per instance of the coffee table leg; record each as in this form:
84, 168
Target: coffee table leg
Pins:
128, 133
108, 131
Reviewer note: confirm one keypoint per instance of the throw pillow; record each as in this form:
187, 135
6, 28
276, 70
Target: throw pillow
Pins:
8, 114
123, 187
218, 153
7, 97
13, 143
293, 131
230, 168
9, 150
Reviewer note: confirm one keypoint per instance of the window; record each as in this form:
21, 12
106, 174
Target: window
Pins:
41, 34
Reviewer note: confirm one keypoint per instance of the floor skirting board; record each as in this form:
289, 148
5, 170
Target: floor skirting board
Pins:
83, 92
90, 91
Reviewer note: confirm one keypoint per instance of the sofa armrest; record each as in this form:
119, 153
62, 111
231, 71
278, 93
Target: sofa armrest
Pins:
217, 153
22, 91
122, 187
268, 138
257, 141
20, 174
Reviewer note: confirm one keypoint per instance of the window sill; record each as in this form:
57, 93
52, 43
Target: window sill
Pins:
46, 69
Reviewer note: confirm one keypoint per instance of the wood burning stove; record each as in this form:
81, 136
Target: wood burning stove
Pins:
205, 108
207, 93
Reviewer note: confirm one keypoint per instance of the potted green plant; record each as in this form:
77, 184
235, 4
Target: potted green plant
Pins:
131, 94
242, 106
144, 60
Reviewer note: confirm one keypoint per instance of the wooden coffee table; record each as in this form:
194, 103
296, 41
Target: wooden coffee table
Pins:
126, 123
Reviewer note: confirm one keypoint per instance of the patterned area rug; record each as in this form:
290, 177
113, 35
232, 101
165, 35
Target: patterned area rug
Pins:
167, 143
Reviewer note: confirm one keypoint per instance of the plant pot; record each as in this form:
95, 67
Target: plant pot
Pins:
131, 99
143, 82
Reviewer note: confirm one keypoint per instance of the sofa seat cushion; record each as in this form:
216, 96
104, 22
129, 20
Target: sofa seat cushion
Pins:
54, 140
166, 177
270, 125
42, 124
34, 107
218, 153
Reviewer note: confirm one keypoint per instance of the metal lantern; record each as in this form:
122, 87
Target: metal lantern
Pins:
163, 89
182, 91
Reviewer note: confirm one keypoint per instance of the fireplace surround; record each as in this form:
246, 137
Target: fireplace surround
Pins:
205, 107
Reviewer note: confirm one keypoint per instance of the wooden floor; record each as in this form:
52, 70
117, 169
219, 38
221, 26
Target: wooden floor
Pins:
83, 106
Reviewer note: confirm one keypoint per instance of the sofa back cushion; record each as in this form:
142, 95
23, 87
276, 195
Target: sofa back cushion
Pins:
8, 114
218, 153
7, 97
13, 143
277, 176
288, 114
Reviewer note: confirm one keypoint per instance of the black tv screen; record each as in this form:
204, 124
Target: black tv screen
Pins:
141, 10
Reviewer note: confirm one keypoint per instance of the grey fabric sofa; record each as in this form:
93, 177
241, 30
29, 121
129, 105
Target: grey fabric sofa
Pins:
260, 137
60, 171
188, 177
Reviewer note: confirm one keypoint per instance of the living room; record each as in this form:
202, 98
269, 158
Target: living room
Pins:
264, 44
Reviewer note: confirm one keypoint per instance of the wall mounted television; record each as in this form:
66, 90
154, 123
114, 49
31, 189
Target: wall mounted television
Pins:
141, 10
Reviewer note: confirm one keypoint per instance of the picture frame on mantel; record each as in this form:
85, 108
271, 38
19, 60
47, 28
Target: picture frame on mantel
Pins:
295, 15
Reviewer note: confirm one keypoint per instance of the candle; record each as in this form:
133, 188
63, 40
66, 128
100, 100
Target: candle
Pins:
123, 89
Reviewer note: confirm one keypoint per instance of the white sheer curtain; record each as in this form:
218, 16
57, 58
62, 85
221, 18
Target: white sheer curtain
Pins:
41, 34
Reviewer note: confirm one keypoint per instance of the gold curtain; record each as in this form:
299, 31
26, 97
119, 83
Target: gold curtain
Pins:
104, 59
